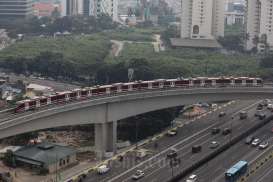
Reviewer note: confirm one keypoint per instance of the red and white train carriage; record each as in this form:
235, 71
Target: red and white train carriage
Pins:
78, 94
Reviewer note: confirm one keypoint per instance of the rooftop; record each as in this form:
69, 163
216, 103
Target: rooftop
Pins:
44, 153
196, 43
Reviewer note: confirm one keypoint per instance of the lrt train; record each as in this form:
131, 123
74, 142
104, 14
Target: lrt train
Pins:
90, 92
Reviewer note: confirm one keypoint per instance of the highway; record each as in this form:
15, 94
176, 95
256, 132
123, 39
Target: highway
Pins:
240, 151
264, 174
157, 168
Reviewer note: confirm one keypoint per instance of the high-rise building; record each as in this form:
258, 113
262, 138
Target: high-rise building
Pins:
72, 7
202, 19
108, 7
87, 7
90, 7
15, 8
259, 28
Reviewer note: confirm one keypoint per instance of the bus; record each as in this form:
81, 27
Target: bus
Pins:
236, 171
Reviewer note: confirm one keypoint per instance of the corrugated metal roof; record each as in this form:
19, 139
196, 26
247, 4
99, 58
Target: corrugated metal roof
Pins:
44, 154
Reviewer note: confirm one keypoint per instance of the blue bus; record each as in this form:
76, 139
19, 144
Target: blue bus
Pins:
236, 171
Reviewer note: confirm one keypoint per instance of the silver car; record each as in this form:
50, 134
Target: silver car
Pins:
256, 142
263, 145
139, 174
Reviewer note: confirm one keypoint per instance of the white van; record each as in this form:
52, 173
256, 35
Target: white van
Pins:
103, 169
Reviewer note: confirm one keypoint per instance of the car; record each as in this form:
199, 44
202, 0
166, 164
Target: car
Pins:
262, 116
270, 106
249, 140
192, 178
265, 102
172, 154
243, 115
214, 144
196, 149
139, 174
260, 107
172, 132
226, 131
221, 114
102, 169
263, 145
215, 131
256, 142
257, 113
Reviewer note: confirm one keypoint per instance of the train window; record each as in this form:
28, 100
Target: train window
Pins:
182, 82
95, 91
144, 85
53, 98
208, 81
124, 87
196, 81
238, 81
155, 84
43, 101
223, 81
84, 92
249, 81
73, 94
114, 88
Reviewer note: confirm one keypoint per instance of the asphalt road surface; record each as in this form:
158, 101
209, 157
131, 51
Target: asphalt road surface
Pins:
156, 167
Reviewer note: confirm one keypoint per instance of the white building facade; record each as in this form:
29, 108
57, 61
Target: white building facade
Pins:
259, 25
108, 7
90, 7
202, 19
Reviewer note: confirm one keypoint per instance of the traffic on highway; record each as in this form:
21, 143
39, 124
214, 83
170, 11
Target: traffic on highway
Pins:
178, 153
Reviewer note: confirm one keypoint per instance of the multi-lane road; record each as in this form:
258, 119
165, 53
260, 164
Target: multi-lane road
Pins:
157, 168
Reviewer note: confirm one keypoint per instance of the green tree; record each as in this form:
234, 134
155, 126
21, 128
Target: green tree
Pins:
267, 61
232, 42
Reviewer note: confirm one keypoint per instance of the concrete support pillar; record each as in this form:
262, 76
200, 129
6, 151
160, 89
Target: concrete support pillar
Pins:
105, 138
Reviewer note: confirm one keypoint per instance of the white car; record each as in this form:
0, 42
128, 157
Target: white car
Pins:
103, 169
256, 142
172, 132
192, 178
263, 145
270, 106
139, 174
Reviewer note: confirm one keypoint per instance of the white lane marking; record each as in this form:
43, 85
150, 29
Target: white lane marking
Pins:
265, 175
